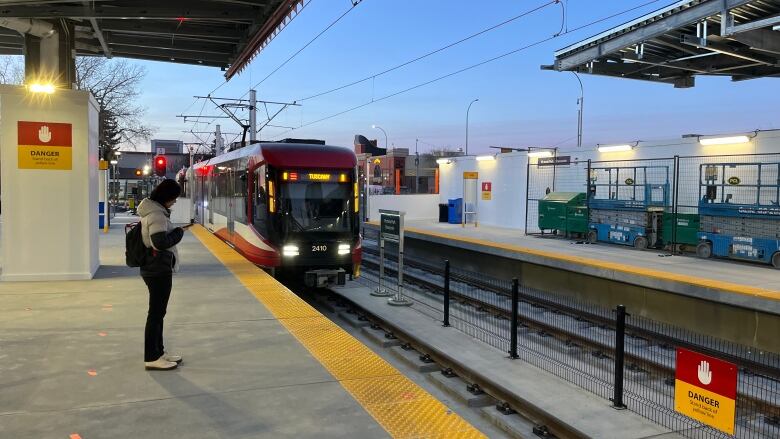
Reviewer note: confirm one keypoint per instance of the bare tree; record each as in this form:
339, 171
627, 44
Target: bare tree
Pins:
11, 69
116, 86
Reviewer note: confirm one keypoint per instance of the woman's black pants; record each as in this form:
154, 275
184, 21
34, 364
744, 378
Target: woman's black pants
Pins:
159, 293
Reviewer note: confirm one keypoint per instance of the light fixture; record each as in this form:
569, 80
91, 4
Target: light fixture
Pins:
47, 88
343, 249
616, 148
723, 140
443, 161
290, 250
486, 158
540, 154
113, 162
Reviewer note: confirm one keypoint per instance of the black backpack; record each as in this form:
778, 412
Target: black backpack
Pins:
135, 250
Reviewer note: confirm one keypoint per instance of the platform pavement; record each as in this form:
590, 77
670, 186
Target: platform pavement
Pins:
71, 361
756, 286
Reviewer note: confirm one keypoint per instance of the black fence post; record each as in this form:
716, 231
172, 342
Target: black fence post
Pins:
620, 335
513, 334
446, 293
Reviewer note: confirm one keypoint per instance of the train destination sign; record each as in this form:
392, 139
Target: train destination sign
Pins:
705, 389
562, 160
45, 145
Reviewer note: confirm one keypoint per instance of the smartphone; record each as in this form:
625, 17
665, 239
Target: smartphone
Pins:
187, 226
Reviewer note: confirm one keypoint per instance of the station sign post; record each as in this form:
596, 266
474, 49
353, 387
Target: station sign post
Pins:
705, 389
391, 229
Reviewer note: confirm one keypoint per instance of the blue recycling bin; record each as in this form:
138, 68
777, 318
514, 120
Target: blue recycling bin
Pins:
455, 210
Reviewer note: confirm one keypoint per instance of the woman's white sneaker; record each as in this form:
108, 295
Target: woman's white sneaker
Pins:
160, 364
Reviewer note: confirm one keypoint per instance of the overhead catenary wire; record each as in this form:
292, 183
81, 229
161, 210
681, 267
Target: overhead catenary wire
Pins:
473, 66
431, 53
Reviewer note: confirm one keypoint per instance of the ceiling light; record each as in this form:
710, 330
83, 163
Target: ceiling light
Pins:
485, 158
616, 148
443, 161
41, 88
726, 140
540, 154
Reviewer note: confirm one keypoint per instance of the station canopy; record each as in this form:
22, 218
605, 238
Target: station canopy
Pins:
218, 33
736, 38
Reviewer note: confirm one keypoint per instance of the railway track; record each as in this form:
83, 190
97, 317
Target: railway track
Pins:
640, 361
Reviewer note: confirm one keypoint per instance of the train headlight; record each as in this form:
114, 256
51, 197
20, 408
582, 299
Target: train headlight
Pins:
290, 250
343, 249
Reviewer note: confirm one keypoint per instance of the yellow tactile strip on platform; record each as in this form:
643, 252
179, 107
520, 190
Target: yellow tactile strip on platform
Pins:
400, 406
616, 266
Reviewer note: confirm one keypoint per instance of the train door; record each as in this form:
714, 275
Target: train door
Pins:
231, 200
210, 183
201, 206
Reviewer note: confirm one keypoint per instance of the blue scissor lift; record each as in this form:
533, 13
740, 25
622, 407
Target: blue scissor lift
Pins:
626, 204
739, 210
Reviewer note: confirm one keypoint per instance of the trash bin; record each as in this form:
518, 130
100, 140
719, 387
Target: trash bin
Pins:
455, 210
443, 212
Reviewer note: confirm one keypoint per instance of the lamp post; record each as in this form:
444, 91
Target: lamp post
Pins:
467, 124
417, 168
581, 102
116, 192
117, 156
377, 127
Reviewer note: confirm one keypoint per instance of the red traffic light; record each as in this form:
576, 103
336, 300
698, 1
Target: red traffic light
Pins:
160, 165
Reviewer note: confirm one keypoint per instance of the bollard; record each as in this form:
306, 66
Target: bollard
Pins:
513, 336
380, 291
620, 336
446, 293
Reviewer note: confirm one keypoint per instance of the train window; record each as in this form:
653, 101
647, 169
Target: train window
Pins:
239, 194
316, 206
260, 209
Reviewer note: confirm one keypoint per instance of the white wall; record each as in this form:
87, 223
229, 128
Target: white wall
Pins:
508, 173
50, 216
423, 206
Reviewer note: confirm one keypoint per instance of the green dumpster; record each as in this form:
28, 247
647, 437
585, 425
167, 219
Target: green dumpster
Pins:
687, 228
564, 212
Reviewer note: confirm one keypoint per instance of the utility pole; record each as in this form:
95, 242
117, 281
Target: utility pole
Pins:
467, 124
218, 141
581, 102
417, 168
252, 116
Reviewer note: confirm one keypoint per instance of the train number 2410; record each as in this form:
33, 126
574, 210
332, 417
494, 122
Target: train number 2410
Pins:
319, 248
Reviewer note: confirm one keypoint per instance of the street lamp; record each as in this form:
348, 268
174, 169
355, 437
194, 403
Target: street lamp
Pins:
467, 124
581, 102
417, 167
377, 127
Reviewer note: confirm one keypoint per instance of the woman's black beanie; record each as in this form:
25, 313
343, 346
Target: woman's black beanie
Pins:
167, 190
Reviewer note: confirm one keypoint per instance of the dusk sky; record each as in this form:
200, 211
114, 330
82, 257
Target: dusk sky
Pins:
519, 104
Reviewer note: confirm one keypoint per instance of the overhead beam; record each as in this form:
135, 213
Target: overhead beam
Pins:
752, 25
169, 9
166, 43
148, 57
703, 43
167, 54
101, 39
761, 39
693, 14
187, 28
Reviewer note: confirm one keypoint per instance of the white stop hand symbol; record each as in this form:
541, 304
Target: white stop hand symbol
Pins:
44, 134
705, 374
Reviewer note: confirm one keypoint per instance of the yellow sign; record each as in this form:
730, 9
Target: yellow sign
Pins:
102, 165
319, 177
470, 175
45, 145
704, 406
486, 195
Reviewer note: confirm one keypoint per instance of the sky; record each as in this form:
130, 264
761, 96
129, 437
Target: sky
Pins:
519, 104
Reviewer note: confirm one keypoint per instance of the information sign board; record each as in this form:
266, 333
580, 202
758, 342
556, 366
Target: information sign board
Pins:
390, 225
705, 389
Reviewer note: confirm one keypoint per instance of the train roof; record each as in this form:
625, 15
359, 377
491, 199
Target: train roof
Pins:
291, 155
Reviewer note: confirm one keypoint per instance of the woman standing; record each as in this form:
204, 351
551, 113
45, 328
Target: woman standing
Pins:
160, 237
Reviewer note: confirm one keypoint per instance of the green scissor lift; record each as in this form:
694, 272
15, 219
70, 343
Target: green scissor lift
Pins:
564, 213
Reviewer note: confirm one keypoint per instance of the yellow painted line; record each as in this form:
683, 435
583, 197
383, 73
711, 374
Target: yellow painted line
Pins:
400, 406
625, 268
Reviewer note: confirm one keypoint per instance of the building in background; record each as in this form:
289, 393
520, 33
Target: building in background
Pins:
395, 171
160, 146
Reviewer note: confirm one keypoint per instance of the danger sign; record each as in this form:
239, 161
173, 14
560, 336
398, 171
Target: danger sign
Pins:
45, 145
487, 188
705, 389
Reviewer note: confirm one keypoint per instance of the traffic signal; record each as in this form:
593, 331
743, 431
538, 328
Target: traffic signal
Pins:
160, 165
138, 173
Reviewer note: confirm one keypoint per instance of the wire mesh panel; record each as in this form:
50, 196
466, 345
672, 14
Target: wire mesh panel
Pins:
544, 179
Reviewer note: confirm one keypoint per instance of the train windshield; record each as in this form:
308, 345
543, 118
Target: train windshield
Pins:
316, 206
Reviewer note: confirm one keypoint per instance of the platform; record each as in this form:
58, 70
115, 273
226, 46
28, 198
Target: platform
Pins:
258, 361
735, 301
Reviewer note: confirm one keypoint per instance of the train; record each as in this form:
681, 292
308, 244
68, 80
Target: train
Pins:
737, 211
290, 207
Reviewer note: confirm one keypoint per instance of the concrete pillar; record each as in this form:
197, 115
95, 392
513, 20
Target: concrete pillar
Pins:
49, 172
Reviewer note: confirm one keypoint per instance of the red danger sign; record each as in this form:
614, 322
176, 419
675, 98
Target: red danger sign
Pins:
706, 389
487, 186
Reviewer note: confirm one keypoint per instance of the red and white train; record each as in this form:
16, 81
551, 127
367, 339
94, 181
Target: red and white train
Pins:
288, 207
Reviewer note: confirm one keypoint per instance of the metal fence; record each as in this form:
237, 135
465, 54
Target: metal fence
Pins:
627, 359
676, 186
